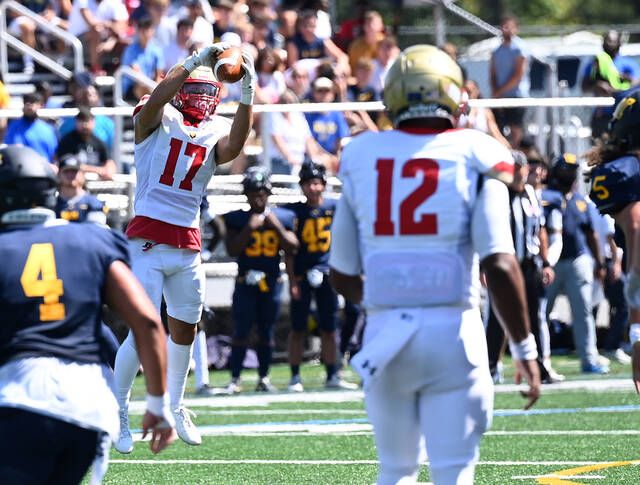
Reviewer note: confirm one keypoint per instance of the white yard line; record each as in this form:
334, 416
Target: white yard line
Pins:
341, 462
263, 400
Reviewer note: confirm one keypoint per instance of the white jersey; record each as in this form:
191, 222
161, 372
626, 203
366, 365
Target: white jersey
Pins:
413, 199
173, 167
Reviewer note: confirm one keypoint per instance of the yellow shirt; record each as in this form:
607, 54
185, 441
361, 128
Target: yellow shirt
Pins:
359, 49
4, 96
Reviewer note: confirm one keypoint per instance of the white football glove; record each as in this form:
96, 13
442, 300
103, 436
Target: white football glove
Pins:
248, 80
205, 56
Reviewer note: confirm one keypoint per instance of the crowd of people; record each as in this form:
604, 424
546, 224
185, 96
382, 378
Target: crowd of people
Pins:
427, 217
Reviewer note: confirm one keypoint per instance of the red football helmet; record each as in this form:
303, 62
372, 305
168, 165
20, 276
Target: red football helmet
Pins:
199, 95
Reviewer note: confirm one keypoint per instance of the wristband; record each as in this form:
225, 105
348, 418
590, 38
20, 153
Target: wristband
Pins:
525, 350
157, 404
546, 264
634, 333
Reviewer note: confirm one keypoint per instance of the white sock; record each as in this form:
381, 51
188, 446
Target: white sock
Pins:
179, 357
202, 363
125, 370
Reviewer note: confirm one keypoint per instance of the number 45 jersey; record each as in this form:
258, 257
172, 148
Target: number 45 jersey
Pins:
411, 196
174, 165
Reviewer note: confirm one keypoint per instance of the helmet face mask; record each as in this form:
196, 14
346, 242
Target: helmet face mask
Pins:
199, 95
423, 82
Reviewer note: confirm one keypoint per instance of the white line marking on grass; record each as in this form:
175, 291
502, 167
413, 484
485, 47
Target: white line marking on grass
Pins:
340, 462
282, 412
259, 400
559, 477
574, 432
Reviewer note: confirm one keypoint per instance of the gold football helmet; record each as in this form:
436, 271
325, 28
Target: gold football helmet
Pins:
423, 82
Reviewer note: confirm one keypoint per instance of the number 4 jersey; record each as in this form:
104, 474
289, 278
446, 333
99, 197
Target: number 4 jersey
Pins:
411, 197
51, 289
173, 167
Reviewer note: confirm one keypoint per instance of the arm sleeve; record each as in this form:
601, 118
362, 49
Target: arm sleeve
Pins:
345, 248
490, 224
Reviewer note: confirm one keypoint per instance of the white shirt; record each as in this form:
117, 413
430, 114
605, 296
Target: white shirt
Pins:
107, 10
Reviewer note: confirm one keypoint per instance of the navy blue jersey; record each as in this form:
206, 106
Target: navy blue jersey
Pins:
263, 251
313, 230
51, 289
78, 208
615, 184
575, 221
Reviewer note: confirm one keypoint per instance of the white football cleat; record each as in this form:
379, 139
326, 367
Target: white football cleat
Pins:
185, 428
336, 383
124, 443
295, 384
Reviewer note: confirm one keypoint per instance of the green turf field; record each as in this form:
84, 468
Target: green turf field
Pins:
587, 431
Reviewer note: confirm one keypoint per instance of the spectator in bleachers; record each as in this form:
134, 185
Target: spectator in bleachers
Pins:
362, 91
26, 29
74, 203
351, 28
480, 118
508, 75
321, 8
145, 56
451, 49
298, 82
306, 45
84, 92
180, 46
223, 13
388, 51
287, 19
102, 27
31, 131
292, 142
328, 128
264, 35
261, 8
271, 84
86, 147
164, 26
202, 28
366, 45
609, 74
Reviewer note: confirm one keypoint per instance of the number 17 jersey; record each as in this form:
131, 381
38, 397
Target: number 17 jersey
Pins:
173, 167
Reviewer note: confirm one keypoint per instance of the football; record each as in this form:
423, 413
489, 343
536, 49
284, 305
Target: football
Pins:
228, 67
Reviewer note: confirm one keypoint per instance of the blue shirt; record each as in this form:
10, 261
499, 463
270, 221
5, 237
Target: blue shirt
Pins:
625, 65
328, 129
51, 290
313, 230
263, 251
576, 221
615, 184
36, 134
78, 208
504, 60
309, 50
150, 59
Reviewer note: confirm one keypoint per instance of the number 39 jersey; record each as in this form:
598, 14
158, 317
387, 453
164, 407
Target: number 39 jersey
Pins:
174, 165
412, 196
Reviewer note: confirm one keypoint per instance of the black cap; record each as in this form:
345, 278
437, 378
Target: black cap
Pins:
69, 161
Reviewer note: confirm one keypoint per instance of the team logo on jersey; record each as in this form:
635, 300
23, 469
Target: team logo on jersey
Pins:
581, 205
192, 134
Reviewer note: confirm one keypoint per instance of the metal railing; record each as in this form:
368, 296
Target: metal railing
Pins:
40, 58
